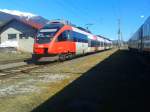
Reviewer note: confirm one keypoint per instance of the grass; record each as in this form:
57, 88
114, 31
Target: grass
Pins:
13, 56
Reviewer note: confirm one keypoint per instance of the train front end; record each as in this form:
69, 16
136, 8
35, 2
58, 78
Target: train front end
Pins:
43, 42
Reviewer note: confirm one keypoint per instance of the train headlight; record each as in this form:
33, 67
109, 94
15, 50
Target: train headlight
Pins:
40, 46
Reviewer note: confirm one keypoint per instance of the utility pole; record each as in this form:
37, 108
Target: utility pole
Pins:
119, 34
122, 43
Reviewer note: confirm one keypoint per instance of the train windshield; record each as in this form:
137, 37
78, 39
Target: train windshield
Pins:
45, 35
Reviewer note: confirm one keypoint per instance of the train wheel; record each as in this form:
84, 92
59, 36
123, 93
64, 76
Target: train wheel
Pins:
34, 58
70, 56
62, 57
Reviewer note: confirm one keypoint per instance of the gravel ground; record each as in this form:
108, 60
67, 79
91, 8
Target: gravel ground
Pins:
25, 92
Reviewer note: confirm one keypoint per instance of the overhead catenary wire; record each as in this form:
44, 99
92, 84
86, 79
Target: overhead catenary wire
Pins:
70, 9
75, 11
118, 14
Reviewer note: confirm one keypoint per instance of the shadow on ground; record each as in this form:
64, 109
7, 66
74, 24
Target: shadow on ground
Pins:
118, 84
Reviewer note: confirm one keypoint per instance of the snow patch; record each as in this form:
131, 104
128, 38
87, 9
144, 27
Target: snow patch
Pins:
17, 89
52, 78
30, 85
18, 13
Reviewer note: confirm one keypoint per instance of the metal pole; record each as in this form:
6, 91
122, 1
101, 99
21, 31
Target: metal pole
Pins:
122, 44
119, 32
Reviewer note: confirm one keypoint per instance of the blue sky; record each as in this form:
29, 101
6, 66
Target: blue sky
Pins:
103, 14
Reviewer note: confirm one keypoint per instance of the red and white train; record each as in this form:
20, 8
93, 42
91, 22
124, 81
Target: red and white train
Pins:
63, 40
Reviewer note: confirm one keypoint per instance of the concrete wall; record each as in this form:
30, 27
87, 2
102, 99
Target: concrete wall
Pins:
26, 45
15, 27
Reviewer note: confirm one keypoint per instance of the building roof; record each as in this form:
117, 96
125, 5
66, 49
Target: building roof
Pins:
28, 23
33, 24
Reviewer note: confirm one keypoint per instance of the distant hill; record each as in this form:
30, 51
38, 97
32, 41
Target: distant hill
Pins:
7, 15
115, 42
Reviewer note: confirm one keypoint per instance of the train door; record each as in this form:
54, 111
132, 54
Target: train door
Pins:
79, 48
89, 44
81, 42
64, 43
84, 47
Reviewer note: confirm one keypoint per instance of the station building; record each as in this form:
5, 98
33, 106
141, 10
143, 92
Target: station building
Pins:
19, 34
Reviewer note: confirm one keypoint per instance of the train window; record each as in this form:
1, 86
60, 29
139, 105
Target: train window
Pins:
78, 37
69, 35
94, 43
63, 36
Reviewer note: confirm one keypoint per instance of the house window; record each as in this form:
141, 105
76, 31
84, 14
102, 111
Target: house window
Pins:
21, 36
26, 35
12, 36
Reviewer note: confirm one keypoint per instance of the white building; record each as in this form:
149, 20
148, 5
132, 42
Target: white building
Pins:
19, 34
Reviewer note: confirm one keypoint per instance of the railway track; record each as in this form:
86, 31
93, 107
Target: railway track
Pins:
22, 69
13, 69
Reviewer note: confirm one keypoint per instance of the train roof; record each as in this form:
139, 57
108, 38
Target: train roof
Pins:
48, 26
58, 23
135, 35
104, 37
65, 22
147, 20
83, 29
